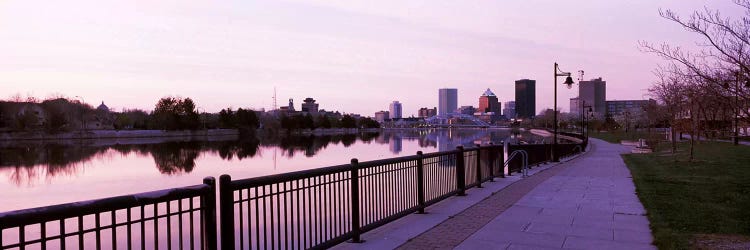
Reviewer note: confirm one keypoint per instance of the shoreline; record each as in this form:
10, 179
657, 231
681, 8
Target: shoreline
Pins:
112, 134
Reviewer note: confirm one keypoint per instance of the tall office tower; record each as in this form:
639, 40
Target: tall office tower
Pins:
447, 101
594, 94
488, 103
525, 98
395, 109
510, 110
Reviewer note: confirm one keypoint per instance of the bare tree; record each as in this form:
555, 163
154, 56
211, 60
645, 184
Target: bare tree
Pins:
717, 71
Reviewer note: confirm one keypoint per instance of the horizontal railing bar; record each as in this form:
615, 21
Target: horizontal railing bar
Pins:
286, 177
63, 211
381, 162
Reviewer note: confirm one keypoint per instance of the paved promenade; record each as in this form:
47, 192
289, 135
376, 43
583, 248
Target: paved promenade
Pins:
585, 203
590, 204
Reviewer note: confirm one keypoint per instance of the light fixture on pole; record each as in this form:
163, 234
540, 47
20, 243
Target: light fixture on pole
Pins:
569, 83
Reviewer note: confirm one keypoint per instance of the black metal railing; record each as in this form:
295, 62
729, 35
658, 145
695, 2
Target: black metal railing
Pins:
184, 218
323, 207
315, 208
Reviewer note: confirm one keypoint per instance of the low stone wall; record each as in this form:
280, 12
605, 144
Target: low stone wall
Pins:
108, 134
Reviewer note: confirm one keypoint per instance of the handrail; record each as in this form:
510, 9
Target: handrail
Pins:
525, 159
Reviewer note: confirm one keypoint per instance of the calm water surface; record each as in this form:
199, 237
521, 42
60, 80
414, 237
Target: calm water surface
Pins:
36, 174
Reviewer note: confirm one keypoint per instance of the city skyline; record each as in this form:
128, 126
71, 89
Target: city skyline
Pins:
234, 53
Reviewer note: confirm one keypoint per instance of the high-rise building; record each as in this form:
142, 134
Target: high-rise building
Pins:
395, 110
594, 94
381, 116
488, 103
510, 110
427, 112
525, 98
447, 101
309, 105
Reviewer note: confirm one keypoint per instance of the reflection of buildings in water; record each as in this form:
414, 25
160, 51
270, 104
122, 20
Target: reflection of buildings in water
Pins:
395, 144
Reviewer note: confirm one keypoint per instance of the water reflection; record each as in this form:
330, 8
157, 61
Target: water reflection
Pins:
29, 162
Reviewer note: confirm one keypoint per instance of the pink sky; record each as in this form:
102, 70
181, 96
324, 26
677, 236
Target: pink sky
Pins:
353, 56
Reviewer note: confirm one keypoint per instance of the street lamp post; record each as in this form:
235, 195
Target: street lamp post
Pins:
569, 82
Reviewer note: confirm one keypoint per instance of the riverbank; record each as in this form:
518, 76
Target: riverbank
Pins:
114, 134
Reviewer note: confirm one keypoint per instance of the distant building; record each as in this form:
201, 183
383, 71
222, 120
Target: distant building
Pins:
466, 110
594, 94
510, 110
575, 105
381, 116
447, 101
288, 109
395, 110
309, 105
427, 112
618, 107
103, 108
525, 98
488, 103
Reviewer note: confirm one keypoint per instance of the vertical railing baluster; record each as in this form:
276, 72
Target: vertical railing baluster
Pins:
62, 234
128, 227
156, 225
208, 205
179, 223
80, 231
22, 237
169, 225
43, 233
354, 189
460, 171
114, 229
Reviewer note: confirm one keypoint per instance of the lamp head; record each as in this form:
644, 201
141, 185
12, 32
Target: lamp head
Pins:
569, 82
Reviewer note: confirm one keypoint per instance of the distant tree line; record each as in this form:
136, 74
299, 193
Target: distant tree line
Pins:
61, 114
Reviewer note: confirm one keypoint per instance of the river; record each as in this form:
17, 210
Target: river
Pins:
34, 173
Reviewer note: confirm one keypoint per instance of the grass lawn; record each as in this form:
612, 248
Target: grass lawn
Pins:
691, 204
617, 136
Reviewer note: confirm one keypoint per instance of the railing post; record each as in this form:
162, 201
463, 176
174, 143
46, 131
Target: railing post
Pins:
491, 161
479, 166
208, 202
226, 208
354, 189
501, 154
460, 171
420, 182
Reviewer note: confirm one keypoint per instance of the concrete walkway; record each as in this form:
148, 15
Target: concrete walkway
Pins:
590, 204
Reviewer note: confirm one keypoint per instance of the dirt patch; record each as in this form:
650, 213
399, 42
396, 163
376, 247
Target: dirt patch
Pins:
720, 241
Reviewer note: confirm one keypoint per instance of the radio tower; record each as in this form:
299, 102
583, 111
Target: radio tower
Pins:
274, 98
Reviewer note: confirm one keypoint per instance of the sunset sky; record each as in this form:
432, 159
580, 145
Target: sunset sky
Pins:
352, 56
